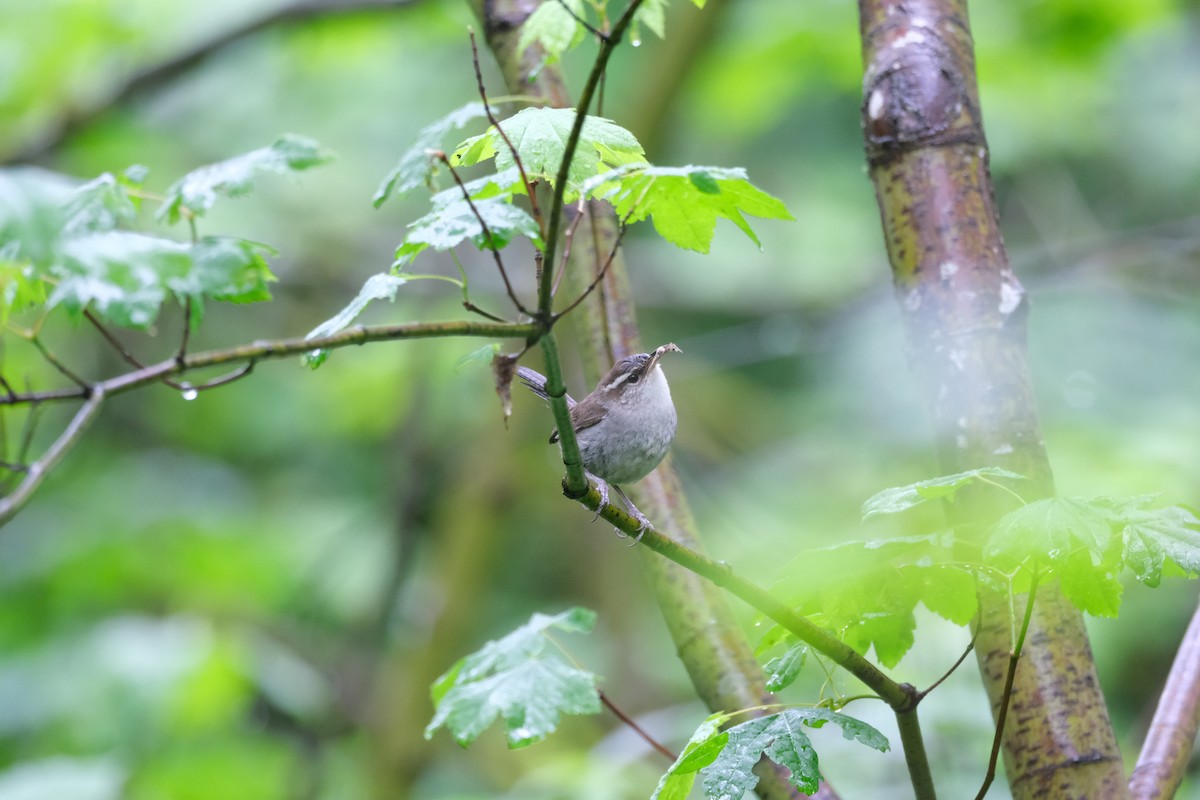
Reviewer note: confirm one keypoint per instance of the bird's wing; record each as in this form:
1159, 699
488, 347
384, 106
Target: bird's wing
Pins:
582, 416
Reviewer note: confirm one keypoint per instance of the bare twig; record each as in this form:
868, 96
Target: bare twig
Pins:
487, 232
1168, 746
589, 27
223, 380
638, 729
281, 348
38, 470
54, 362
474, 309
599, 276
1006, 695
956, 664
487, 107
111, 338
186, 336
131, 359
568, 240
20, 463
6, 386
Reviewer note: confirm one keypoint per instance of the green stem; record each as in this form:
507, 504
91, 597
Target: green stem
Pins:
575, 484
901, 697
607, 45
914, 754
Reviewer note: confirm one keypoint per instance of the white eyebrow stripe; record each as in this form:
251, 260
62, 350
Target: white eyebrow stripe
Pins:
624, 376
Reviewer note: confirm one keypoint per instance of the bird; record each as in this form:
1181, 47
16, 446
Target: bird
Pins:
624, 427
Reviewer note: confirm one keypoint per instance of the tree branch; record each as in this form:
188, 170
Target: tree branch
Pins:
902, 698
279, 348
1168, 746
152, 77
38, 470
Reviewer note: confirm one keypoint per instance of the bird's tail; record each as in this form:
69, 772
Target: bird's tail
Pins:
536, 383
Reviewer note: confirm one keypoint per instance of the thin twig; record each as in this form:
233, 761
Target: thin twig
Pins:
487, 107
187, 323
638, 729
281, 348
38, 470
1006, 696
111, 338
133, 360
227, 378
21, 457
474, 309
589, 27
487, 233
955, 665
54, 362
31, 421
568, 241
607, 47
599, 277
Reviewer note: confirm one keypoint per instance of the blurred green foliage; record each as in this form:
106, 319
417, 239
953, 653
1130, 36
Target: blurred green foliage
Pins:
247, 595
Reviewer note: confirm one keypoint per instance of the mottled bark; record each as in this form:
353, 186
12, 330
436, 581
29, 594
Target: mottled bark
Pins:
965, 317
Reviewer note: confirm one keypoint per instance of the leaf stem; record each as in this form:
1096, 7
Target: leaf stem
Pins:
998, 485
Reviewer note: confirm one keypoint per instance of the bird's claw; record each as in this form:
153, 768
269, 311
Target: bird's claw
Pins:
602, 488
643, 526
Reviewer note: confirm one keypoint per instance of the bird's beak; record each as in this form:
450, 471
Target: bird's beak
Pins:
669, 347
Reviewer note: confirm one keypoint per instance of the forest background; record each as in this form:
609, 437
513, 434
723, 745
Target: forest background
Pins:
248, 594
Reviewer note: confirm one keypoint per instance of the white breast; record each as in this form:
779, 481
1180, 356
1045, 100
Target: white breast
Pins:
634, 436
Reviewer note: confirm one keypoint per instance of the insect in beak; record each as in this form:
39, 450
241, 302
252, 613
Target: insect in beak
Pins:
669, 347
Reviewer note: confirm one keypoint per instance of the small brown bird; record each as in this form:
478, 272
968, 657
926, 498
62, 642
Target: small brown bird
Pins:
625, 426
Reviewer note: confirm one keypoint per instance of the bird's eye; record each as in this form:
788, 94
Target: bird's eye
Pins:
634, 378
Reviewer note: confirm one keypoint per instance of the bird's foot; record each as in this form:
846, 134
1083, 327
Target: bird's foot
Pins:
643, 526
602, 488
641, 519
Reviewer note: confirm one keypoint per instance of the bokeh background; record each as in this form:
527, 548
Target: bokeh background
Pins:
246, 595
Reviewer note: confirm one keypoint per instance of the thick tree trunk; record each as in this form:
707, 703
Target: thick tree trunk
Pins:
965, 315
